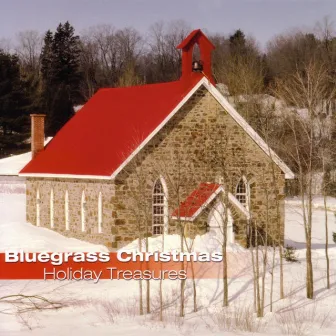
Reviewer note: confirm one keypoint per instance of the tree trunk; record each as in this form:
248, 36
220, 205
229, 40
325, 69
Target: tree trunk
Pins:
310, 283
140, 286
194, 286
182, 281
253, 267
326, 234
272, 279
257, 273
225, 266
225, 278
161, 282
148, 309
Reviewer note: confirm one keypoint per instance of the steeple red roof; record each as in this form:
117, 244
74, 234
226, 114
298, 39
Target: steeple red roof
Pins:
194, 36
205, 47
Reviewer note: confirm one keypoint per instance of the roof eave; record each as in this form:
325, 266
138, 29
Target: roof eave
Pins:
68, 176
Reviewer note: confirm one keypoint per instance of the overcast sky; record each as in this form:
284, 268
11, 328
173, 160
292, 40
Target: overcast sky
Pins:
261, 18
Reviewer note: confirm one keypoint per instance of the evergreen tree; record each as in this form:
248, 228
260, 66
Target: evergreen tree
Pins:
47, 57
66, 62
238, 43
60, 60
14, 120
61, 103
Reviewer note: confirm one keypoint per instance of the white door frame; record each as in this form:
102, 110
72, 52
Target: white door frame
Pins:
216, 221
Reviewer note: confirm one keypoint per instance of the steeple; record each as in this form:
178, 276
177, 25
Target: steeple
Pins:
202, 65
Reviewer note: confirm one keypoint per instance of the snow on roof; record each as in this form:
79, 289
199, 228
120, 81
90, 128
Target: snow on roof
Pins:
12, 165
200, 198
77, 107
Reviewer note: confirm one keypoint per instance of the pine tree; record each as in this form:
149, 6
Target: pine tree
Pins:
47, 57
61, 102
60, 59
238, 43
66, 62
14, 121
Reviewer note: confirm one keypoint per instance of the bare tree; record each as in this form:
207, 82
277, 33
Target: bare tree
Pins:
163, 59
6, 45
306, 89
28, 48
110, 57
326, 155
21, 304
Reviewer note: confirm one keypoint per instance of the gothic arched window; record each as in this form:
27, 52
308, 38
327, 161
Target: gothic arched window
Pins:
243, 192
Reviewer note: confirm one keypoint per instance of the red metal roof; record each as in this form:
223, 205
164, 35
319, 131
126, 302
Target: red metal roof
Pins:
196, 200
110, 126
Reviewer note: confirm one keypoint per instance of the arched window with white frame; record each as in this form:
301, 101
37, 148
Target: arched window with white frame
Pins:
100, 213
83, 211
160, 207
38, 208
66, 210
51, 207
243, 192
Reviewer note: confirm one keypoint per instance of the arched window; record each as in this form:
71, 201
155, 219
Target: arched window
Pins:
38, 209
243, 192
100, 213
160, 207
52, 208
83, 212
66, 210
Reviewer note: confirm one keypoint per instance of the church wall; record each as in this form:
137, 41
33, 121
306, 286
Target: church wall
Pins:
201, 143
75, 189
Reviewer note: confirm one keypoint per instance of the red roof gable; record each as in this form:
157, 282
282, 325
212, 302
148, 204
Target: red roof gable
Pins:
194, 35
196, 200
110, 126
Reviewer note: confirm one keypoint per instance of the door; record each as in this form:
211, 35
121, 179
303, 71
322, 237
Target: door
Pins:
215, 227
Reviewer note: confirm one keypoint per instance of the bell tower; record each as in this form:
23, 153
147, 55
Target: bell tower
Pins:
203, 65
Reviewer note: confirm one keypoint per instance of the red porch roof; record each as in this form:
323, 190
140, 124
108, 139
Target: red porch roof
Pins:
196, 200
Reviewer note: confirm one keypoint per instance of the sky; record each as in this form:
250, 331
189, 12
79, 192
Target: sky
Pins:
262, 19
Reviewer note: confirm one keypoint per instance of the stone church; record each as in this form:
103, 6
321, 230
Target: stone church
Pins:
157, 158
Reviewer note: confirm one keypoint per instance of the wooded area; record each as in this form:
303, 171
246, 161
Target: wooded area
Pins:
52, 73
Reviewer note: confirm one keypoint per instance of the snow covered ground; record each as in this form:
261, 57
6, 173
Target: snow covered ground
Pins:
11, 166
111, 307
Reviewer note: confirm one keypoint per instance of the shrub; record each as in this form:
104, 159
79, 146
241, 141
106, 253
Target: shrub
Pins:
334, 237
237, 318
302, 321
290, 254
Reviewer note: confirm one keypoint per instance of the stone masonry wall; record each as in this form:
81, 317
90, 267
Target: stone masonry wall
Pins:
75, 189
199, 144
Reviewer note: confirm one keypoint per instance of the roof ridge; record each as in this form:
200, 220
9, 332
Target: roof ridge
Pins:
139, 86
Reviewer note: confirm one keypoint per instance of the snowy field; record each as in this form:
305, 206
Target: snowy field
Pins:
111, 307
